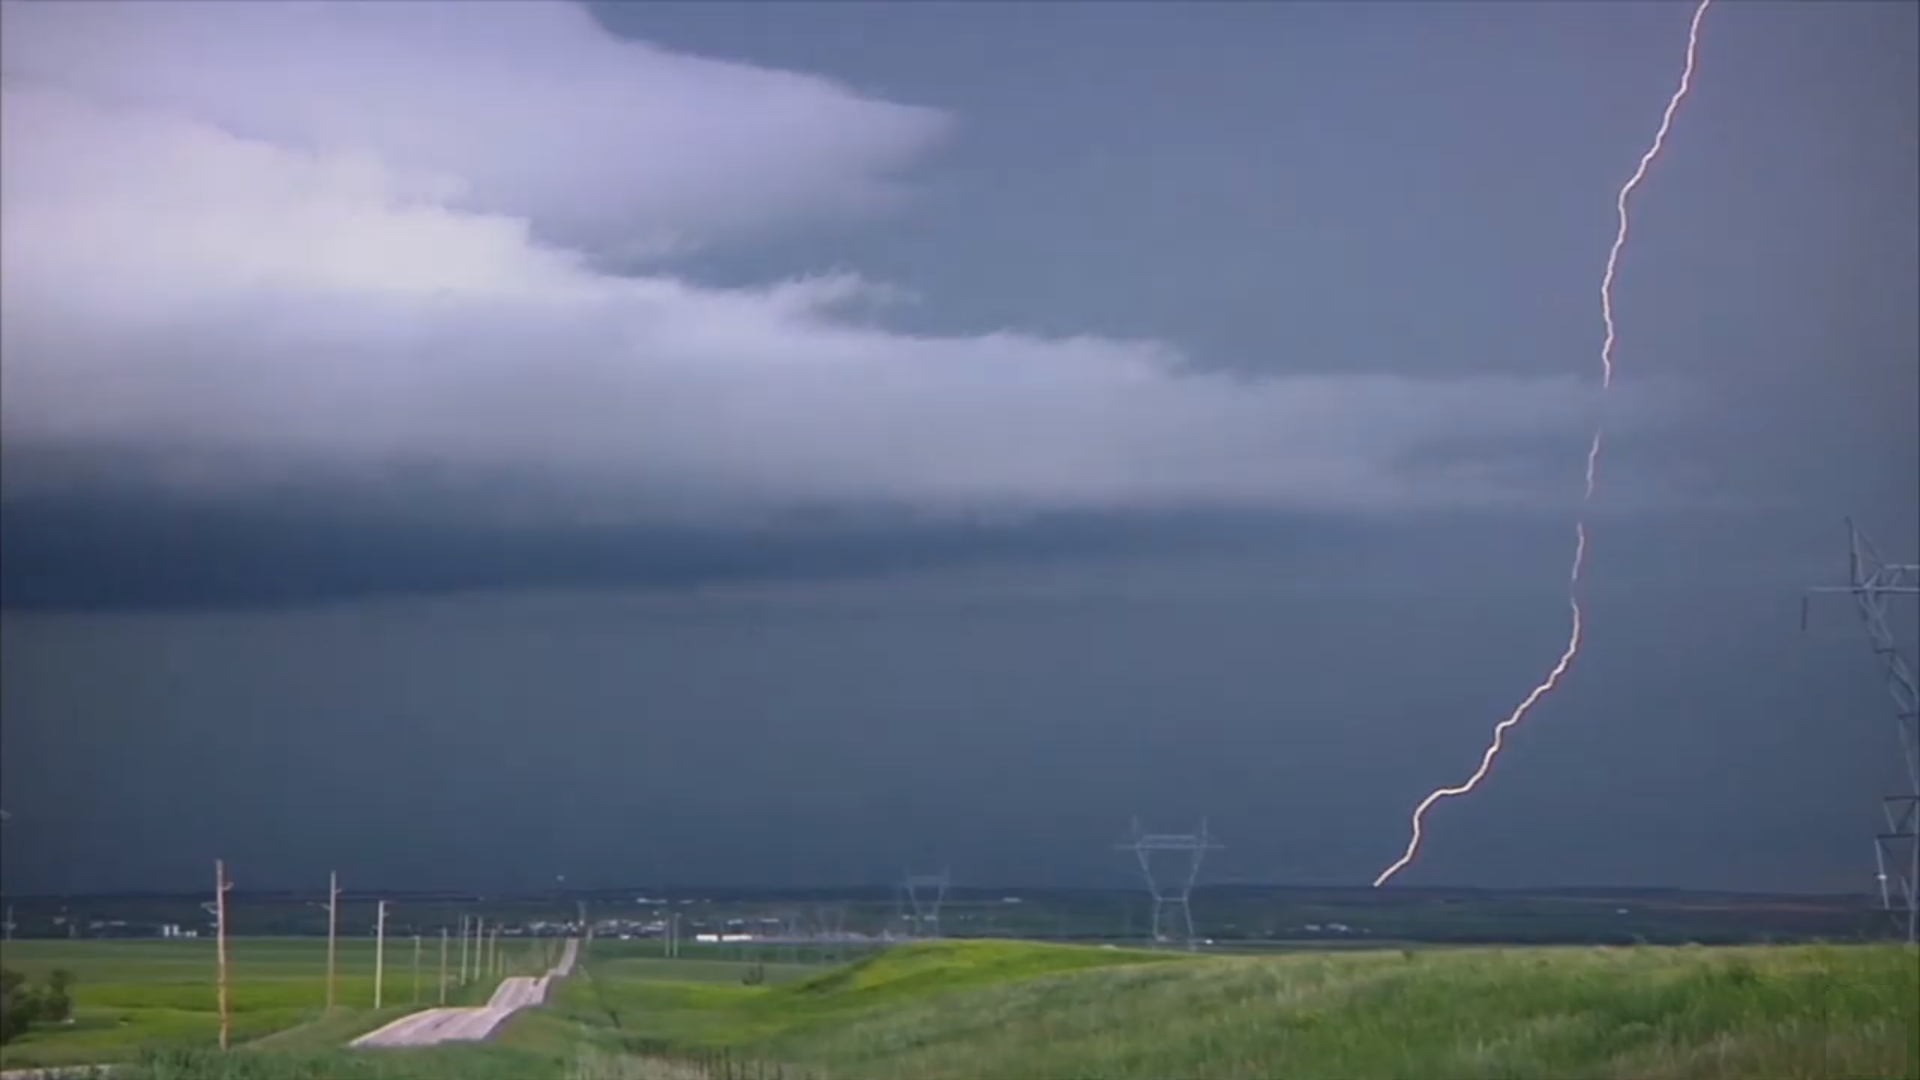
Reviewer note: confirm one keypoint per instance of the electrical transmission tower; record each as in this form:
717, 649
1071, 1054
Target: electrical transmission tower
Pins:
1896, 853
1172, 909
925, 893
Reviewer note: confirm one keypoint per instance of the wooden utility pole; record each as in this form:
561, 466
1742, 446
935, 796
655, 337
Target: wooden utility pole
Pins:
479, 943
463, 949
379, 951
333, 928
416, 969
443, 965
220, 887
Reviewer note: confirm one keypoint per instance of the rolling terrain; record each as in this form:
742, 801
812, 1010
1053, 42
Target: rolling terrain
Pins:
997, 1009
991, 1009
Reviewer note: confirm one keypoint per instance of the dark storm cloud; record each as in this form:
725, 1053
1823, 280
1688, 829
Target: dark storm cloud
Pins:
1005, 722
134, 552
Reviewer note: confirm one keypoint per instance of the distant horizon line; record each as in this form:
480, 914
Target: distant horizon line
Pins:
702, 891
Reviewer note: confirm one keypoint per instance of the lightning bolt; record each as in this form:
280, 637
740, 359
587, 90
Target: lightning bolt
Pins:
1572, 650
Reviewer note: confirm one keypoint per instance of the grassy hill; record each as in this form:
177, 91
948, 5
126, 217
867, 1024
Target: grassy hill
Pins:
996, 1009
694, 1005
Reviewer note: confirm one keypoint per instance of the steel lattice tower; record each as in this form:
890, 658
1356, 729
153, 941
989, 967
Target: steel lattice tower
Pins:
925, 893
1870, 581
1172, 907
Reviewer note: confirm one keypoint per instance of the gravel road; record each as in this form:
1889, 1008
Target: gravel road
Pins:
471, 1023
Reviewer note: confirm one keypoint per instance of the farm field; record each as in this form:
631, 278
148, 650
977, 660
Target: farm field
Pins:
135, 995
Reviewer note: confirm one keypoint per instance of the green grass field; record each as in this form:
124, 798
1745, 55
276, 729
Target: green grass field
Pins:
130, 995
985, 1009
1011, 1010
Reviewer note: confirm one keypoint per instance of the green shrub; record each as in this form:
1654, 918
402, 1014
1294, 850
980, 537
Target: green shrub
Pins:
23, 1005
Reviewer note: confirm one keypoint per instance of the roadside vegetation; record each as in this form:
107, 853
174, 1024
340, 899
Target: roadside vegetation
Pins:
130, 997
24, 1004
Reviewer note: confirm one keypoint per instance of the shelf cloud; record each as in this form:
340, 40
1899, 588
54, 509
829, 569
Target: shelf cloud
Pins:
247, 242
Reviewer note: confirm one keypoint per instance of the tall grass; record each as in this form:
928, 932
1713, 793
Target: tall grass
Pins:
459, 1062
998, 1010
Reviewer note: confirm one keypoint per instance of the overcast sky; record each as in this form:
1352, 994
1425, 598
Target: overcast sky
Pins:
464, 443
